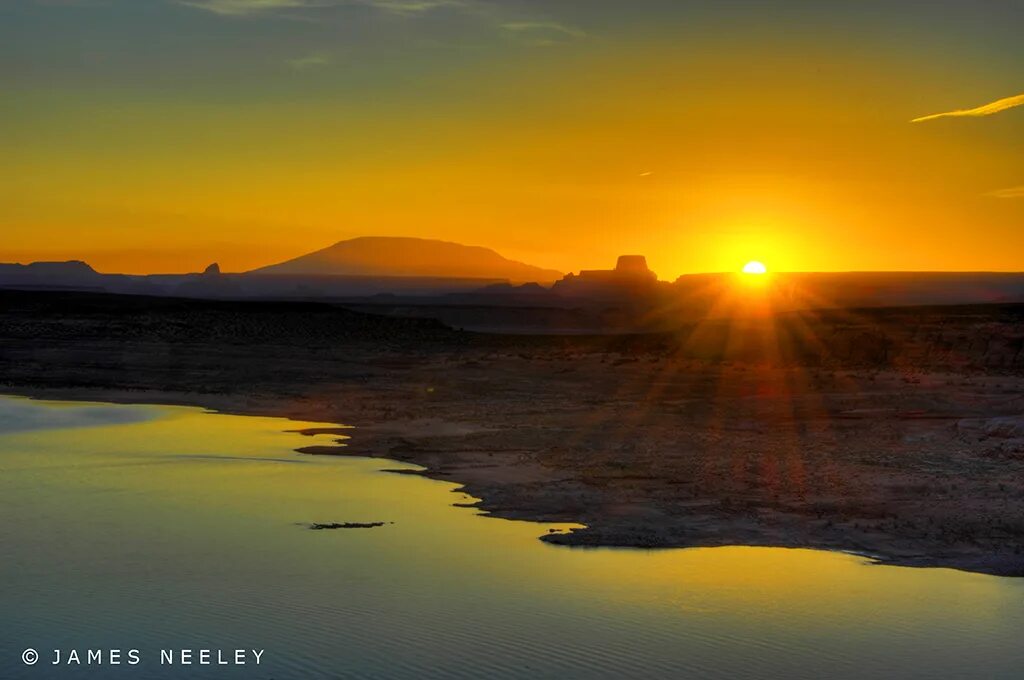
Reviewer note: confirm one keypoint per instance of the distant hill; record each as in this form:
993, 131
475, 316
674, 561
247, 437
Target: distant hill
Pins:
73, 273
68, 269
419, 257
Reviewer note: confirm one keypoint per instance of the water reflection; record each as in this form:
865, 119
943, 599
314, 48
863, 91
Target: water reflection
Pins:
161, 526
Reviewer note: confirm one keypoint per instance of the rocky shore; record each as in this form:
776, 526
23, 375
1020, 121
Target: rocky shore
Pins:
897, 434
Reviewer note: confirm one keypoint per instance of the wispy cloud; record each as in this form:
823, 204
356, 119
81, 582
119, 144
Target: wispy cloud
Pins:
1012, 192
243, 7
543, 32
983, 110
247, 7
412, 6
309, 61
530, 32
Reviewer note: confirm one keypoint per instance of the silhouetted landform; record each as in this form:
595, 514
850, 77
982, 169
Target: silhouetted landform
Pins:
345, 525
389, 256
896, 433
626, 299
73, 274
213, 284
631, 278
962, 338
807, 290
629, 298
50, 317
358, 267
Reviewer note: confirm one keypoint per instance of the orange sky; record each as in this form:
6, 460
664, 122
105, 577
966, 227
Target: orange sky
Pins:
170, 139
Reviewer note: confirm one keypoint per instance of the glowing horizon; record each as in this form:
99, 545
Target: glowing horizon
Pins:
160, 136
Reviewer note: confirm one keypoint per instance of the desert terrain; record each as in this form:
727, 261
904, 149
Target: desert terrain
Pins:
894, 433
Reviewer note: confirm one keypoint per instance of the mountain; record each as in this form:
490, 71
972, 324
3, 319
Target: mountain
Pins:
420, 257
59, 274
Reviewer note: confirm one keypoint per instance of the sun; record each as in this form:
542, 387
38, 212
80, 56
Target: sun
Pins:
755, 267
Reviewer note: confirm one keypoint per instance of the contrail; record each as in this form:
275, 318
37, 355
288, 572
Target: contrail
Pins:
983, 110
1012, 192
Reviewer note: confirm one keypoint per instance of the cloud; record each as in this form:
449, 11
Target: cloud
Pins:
1012, 192
243, 7
411, 6
246, 7
72, 3
983, 110
543, 32
309, 61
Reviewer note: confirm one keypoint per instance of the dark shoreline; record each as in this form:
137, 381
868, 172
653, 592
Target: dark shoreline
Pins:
913, 459
589, 537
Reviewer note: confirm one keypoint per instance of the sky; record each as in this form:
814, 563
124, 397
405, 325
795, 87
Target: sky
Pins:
162, 135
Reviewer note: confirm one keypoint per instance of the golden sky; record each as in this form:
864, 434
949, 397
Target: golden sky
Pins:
159, 136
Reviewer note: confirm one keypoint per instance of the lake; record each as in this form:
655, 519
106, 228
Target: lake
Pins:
169, 528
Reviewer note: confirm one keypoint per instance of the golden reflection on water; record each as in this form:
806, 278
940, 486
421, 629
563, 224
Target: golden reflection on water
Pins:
203, 464
224, 498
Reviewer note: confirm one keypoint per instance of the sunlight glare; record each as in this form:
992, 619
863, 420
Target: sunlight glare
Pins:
755, 267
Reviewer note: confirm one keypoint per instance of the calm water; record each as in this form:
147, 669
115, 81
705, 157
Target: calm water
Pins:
155, 527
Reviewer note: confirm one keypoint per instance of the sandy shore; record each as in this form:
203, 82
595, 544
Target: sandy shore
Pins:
913, 465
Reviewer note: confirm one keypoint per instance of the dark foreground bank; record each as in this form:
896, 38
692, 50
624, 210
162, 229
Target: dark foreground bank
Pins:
897, 433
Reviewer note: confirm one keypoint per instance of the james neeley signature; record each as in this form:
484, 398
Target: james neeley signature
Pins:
134, 657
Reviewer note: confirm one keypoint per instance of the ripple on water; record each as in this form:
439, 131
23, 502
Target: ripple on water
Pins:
167, 527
